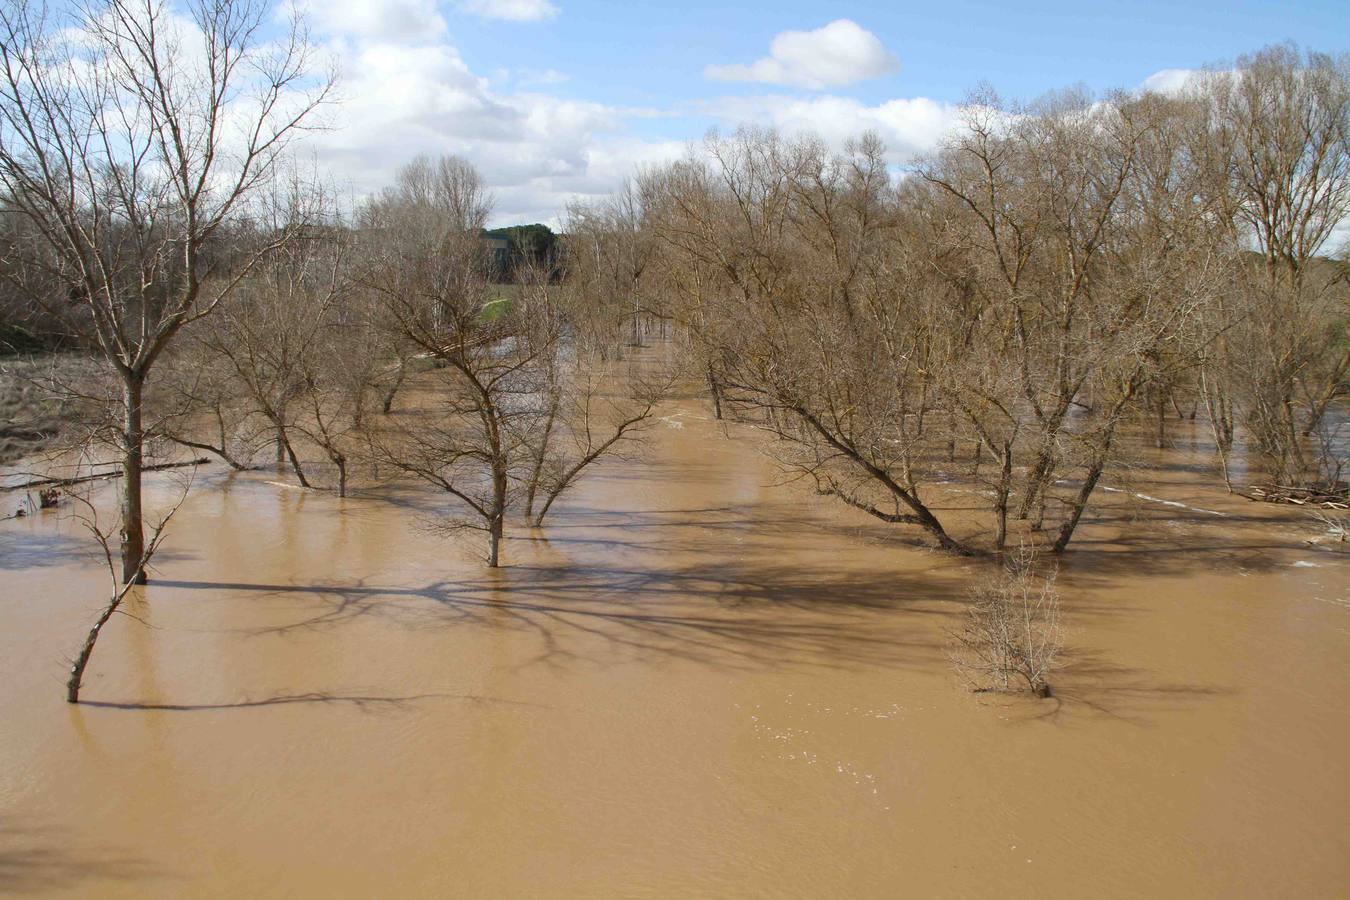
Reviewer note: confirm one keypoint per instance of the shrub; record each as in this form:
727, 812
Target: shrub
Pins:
1011, 637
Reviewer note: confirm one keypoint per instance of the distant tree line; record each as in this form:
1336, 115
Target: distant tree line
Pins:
534, 248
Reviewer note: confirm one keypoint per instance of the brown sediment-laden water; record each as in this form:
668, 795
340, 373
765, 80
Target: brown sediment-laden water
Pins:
693, 682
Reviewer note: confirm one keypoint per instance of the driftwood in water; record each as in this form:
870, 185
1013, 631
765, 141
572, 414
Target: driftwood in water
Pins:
115, 473
1337, 497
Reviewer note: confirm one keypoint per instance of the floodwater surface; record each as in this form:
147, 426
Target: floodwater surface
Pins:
694, 682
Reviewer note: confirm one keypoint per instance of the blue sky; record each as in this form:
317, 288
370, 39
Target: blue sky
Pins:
559, 99
655, 53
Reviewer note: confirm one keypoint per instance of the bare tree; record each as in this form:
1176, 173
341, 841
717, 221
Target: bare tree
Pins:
592, 408
816, 330
203, 407
609, 254
278, 339
524, 393
426, 265
1277, 137
337, 372
130, 138
1075, 257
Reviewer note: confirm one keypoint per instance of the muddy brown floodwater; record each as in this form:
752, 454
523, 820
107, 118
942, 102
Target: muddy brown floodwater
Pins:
692, 683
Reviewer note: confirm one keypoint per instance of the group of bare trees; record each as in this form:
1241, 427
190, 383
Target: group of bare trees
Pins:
987, 324
152, 211
150, 206
991, 322
516, 389
524, 391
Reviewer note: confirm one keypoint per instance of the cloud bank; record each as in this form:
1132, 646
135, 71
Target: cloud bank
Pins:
406, 89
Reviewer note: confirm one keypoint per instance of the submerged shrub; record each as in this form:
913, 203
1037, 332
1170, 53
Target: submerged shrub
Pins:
1011, 637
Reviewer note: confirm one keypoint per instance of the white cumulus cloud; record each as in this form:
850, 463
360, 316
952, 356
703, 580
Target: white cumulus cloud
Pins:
536, 151
511, 10
413, 21
1169, 81
840, 53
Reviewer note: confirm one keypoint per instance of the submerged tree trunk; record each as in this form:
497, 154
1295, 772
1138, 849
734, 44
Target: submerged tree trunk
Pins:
919, 513
388, 402
133, 448
497, 521
221, 452
494, 542
1040, 472
1220, 424
541, 454
1080, 503
1100, 457
1001, 497
716, 388
76, 679
286, 452
1162, 420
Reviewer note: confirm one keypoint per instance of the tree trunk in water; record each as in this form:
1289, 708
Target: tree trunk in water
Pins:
77, 669
1001, 498
497, 522
223, 454
133, 441
1176, 407
1300, 473
1035, 483
716, 394
494, 542
286, 452
1100, 457
388, 402
1162, 421
945, 541
1045, 463
548, 504
1219, 425
532, 488
1080, 503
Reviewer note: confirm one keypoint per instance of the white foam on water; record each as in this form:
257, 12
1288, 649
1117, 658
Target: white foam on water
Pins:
1151, 499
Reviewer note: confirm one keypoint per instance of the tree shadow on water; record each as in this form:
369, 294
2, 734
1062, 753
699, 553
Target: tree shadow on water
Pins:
29, 550
730, 616
39, 859
366, 703
1089, 686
